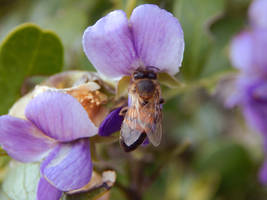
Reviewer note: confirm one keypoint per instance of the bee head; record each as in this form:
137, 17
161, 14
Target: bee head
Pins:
144, 74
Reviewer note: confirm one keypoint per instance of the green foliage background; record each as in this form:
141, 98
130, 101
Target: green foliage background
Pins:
224, 155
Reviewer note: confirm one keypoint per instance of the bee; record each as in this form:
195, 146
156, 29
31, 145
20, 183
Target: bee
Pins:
143, 116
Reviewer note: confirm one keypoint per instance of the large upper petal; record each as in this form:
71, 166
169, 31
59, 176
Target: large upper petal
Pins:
22, 140
60, 116
46, 191
108, 45
258, 14
158, 38
69, 166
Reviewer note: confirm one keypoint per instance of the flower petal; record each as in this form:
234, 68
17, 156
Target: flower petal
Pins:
158, 38
258, 14
248, 51
263, 173
254, 103
22, 140
112, 123
241, 51
108, 45
46, 191
69, 167
60, 116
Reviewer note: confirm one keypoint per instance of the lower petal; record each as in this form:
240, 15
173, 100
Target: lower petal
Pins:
22, 140
112, 123
46, 191
69, 166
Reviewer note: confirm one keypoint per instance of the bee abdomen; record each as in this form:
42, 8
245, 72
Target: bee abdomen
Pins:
133, 146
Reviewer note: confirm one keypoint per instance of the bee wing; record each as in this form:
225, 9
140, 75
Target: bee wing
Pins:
131, 129
129, 135
154, 129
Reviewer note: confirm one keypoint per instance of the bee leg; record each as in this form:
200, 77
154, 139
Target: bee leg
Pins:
123, 111
161, 101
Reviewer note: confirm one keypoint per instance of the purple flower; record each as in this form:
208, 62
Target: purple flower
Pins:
152, 36
248, 54
56, 133
117, 46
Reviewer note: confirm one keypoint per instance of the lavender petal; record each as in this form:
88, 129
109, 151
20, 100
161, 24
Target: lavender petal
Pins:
69, 167
46, 191
158, 38
248, 51
60, 116
109, 47
22, 140
258, 14
241, 51
254, 104
112, 123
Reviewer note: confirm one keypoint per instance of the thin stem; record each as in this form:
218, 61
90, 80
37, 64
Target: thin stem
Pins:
205, 82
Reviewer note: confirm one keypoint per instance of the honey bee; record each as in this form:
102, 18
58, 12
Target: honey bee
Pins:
143, 116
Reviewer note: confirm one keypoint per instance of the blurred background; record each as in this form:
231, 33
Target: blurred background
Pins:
208, 152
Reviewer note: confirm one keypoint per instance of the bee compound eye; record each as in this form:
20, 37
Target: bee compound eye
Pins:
152, 75
139, 75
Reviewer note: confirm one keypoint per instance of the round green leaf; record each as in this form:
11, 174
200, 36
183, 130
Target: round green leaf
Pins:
26, 51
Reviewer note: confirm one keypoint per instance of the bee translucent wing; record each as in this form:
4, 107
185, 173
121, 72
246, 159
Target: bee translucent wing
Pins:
154, 133
129, 135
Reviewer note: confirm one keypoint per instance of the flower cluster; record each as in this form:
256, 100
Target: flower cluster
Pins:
248, 54
57, 125
55, 133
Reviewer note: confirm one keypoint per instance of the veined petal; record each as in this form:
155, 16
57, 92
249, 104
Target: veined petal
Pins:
108, 45
22, 140
258, 14
69, 167
112, 123
158, 38
46, 191
60, 116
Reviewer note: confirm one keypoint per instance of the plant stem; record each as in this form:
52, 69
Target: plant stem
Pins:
205, 82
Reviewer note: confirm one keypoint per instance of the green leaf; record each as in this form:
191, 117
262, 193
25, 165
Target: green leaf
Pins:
21, 181
26, 51
168, 80
230, 160
195, 17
